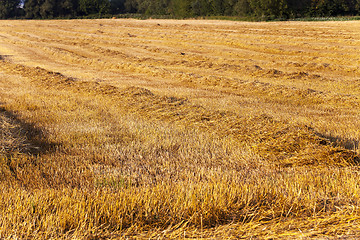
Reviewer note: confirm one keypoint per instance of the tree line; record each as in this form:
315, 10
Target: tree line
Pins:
261, 9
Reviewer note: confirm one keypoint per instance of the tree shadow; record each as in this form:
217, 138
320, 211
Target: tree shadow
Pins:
4, 57
31, 139
347, 143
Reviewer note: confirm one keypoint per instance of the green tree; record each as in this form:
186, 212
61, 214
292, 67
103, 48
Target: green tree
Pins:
181, 8
117, 6
48, 9
324, 8
68, 8
242, 8
229, 7
201, 8
32, 8
131, 6
51, 8
153, 7
8, 8
269, 9
350, 7
217, 7
298, 8
88, 7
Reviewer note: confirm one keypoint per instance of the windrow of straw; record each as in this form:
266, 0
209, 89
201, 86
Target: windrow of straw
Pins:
282, 143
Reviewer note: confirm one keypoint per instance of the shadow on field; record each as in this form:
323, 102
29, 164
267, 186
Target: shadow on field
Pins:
4, 57
17, 135
347, 143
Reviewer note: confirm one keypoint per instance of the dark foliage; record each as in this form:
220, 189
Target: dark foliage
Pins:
8, 8
260, 9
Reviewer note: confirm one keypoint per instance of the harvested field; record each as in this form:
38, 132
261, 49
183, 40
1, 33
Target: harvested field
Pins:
167, 129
